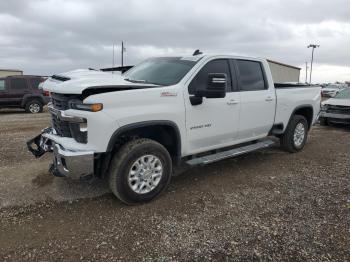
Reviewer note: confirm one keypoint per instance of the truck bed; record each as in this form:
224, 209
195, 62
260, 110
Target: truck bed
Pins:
290, 97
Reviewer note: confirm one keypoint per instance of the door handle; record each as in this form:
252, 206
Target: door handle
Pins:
232, 102
269, 99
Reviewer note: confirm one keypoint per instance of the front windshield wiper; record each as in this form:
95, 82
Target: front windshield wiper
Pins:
140, 81
135, 81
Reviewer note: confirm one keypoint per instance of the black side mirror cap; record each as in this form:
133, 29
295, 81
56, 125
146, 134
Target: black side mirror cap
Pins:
216, 86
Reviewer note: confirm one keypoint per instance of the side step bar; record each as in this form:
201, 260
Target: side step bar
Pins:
229, 153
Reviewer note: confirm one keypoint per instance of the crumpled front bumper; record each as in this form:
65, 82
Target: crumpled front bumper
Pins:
66, 163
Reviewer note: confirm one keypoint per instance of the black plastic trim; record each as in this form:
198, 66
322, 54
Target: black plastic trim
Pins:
302, 107
130, 127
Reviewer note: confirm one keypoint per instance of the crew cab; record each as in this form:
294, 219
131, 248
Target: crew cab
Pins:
23, 92
135, 128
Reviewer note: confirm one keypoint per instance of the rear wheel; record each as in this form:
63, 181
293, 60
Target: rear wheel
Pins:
295, 136
140, 171
34, 106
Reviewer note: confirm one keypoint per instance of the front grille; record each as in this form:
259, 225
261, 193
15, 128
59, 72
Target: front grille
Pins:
61, 127
60, 101
338, 109
64, 128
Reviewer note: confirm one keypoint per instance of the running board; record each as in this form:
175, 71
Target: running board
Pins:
229, 153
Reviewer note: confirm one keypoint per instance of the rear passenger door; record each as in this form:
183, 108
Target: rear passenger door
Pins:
257, 100
18, 89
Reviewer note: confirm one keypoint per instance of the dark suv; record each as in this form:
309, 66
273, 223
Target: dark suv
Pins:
23, 92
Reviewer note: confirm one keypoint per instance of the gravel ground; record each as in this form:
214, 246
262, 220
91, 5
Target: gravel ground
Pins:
267, 205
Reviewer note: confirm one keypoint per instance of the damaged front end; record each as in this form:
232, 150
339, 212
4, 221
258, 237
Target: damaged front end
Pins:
74, 164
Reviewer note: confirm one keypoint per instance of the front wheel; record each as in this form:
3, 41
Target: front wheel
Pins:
139, 171
295, 136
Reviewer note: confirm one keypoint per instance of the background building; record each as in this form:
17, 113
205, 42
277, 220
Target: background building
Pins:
282, 73
10, 72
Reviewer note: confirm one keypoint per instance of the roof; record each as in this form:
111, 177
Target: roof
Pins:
282, 64
12, 70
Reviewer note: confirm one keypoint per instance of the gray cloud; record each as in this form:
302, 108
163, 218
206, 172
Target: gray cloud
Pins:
43, 37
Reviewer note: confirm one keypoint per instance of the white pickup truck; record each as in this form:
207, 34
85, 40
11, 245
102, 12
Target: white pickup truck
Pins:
135, 128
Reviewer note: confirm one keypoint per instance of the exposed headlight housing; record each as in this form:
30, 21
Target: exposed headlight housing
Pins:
77, 104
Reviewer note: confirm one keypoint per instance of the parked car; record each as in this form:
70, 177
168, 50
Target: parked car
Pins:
23, 92
134, 129
337, 109
331, 90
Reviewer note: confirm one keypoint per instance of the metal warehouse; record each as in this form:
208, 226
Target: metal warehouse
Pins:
10, 72
282, 73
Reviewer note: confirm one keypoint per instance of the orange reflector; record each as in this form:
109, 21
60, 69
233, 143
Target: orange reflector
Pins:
96, 107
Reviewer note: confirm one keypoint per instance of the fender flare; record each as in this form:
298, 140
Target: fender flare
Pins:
28, 97
300, 107
136, 125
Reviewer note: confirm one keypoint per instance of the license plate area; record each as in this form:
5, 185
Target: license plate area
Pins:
39, 145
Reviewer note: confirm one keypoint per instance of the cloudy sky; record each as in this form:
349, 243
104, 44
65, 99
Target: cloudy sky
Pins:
50, 36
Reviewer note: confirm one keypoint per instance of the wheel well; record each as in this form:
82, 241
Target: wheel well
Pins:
306, 112
166, 135
30, 98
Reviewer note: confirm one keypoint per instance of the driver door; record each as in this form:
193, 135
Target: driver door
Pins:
213, 123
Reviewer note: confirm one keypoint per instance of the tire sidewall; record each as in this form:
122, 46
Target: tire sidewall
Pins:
145, 149
304, 122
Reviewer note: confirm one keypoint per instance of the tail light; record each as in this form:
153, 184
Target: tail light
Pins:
47, 93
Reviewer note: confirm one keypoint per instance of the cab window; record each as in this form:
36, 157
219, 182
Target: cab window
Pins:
200, 81
251, 75
2, 84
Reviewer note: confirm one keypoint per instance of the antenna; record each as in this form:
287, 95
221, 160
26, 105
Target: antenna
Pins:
197, 52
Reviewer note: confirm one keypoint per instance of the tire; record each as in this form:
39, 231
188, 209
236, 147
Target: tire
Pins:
128, 160
292, 142
323, 121
34, 106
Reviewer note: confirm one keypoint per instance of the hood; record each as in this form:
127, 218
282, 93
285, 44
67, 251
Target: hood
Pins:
331, 89
75, 82
337, 102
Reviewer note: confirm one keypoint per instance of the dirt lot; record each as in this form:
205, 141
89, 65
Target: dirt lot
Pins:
267, 205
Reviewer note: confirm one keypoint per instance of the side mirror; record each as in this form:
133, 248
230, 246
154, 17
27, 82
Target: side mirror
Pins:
216, 86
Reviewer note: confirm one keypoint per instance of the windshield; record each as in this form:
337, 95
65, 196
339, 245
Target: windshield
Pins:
160, 71
344, 94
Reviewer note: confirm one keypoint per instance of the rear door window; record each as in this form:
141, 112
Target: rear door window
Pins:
251, 75
2, 85
19, 84
34, 82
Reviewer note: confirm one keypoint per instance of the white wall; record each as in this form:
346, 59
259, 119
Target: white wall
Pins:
4, 73
282, 73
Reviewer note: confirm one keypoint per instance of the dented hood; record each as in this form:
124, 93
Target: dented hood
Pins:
337, 102
75, 82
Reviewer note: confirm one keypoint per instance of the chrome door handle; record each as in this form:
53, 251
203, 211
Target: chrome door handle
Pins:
232, 102
269, 99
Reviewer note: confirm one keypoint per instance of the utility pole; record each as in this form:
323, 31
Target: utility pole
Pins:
306, 67
122, 53
313, 46
113, 59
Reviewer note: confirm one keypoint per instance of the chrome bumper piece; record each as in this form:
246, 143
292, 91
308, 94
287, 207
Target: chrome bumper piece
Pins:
73, 164
66, 163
